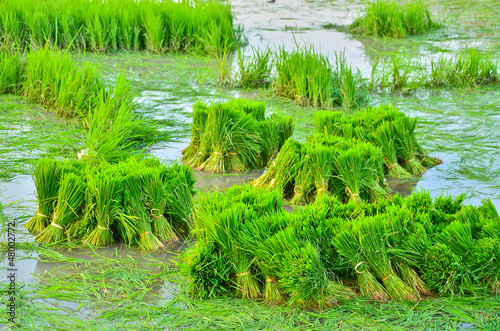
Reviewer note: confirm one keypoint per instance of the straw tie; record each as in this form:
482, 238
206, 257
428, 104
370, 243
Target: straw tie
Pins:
388, 276
295, 190
356, 268
145, 233
38, 214
350, 194
243, 274
409, 160
388, 163
217, 153
100, 227
57, 226
270, 280
232, 153
156, 216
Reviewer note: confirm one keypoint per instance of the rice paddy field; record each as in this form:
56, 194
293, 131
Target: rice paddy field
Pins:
315, 201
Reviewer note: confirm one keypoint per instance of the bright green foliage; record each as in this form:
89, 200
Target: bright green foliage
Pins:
388, 250
467, 68
11, 72
309, 78
348, 157
235, 136
101, 26
255, 71
136, 202
387, 18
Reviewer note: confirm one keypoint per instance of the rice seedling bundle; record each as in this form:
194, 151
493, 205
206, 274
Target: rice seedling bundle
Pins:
390, 249
70, 199
136, 202
386, 18
46, 176
11, 72
255, 71
309, 78
102, 26
387, 128
235, 136
52, 78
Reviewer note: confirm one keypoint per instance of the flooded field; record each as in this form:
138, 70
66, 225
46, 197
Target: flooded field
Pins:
121, 288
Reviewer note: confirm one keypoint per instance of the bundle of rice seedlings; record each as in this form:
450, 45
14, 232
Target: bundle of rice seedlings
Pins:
329, 122
304, 183
288, 164
135, 209
106, 194
179, 189
404, 129
398, 227
390, 19
353, 173
274, 131
193, 155
156, 200
46, 175
322, 165
67, 211
374, 251
209, 271
347, 242
229, 141
444, 272
485, 262
385, 137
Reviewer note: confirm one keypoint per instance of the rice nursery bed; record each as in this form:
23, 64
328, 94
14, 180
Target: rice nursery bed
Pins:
120, 237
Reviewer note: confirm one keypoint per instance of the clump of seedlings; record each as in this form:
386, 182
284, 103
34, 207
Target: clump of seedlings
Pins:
349, 157
467, 68
102, 26
387, 18
138, 202
235, 136
394, 249
309, 78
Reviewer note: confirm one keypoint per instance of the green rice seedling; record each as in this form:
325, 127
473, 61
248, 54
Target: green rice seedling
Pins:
443, 271
469, 67
101, 26
323, 164
11, 72
287, 166
404, 129
156, 200
329, 122
402, 73
193, 155
386, 18
484, 260
53, 78
67, 211
134, 198
208, 270
309, 78
113, 129
255, 70
353, 173
235, 136
106, 192
46, 175
274, 131
179, 188
304, 184
385, 137
375, 252
347, 242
